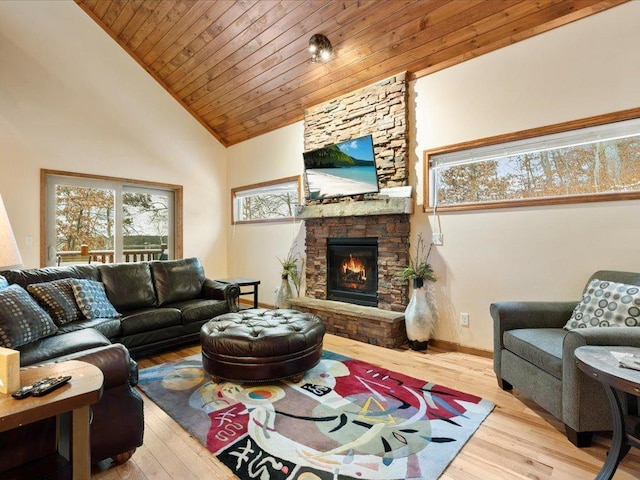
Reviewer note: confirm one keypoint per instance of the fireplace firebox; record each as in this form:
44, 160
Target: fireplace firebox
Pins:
352, 270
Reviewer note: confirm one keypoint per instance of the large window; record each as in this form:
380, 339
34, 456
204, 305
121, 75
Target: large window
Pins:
590, 163
89, 219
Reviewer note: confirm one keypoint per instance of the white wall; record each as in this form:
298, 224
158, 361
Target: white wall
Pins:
254, 249
71, 99
587, 68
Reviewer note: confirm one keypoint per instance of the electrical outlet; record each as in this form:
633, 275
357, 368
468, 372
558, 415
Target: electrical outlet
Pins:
437, 239
464, 319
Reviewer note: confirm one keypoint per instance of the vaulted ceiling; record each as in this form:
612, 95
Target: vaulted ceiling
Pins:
242, 68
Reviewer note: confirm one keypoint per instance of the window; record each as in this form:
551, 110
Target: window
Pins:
266, 202
588, 162
102, 219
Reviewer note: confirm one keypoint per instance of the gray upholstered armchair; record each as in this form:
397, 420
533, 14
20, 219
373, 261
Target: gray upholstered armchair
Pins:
533, 353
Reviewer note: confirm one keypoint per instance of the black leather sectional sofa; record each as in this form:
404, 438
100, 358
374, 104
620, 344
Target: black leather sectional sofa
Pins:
152, 306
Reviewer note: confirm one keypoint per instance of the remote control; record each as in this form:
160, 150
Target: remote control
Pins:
26, 391
50, 386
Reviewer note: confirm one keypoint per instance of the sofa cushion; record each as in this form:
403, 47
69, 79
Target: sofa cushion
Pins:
148, 320
177, 280
541, 347
92, 299
200, 310
128, 285
3, 282
27, 276
109, 327
22, 320
607, 304
50, 348
57, 299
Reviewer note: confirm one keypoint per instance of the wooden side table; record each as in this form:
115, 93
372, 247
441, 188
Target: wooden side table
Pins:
245, 282
599, 362
83, 390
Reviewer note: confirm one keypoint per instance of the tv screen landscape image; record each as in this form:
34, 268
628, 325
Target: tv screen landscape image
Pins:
346, 168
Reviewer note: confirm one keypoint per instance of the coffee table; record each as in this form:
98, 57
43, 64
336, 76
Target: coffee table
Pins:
599, 362
83, 390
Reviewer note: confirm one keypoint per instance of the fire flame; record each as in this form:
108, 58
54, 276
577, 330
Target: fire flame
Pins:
353, 269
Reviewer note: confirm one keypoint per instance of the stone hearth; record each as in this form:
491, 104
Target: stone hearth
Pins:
365, 324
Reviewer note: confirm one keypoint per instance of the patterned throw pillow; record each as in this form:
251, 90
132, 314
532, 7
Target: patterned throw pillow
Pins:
57, 298
92, 299
607, 304
22, 320
4, 283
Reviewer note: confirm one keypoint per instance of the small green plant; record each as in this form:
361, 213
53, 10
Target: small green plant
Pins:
291, 265
419, 266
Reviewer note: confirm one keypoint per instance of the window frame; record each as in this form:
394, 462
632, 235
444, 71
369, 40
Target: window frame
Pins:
177, 191
598, 120
235, 193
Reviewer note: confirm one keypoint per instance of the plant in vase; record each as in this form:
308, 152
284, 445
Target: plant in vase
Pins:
289, 274
418, 317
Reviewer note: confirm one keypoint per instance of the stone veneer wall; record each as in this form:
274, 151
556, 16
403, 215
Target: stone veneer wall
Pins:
392, 232
380, 110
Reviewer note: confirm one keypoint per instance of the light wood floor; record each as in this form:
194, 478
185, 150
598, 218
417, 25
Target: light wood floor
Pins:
518, 440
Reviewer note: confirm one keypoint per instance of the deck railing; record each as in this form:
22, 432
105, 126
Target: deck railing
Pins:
108, 256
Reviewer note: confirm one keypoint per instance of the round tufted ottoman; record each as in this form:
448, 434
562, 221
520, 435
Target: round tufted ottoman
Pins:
257, 345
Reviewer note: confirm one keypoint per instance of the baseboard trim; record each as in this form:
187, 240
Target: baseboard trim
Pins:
456, 347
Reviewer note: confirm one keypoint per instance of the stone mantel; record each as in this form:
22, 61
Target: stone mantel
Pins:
381, 206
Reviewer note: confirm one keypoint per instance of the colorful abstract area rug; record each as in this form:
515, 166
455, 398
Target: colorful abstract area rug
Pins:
345, 419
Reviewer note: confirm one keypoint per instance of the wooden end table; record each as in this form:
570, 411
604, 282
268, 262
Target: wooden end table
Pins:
245, 282
83, 390
599, 362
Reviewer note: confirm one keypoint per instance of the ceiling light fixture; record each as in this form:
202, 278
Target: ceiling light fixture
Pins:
320, 48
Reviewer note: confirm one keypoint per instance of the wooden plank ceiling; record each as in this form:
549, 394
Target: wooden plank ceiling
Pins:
242, 67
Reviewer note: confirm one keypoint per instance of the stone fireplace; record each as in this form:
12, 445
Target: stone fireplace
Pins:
380, 110
385, 221
391, 234
352, 270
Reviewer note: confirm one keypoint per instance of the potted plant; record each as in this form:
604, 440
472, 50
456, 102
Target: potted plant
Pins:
418, 317
290, 273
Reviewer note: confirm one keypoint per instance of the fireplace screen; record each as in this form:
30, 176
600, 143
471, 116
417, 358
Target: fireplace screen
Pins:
352, 270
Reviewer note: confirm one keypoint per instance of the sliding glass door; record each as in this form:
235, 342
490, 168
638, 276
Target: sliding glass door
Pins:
91, 220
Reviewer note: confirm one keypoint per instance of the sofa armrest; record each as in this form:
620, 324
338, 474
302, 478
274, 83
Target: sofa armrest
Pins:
114, 361
214, 290
514, 315
579, 391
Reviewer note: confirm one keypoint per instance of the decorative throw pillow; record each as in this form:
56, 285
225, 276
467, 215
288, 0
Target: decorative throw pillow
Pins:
22, 320
57, 298
607, 304
4, 283
92, 299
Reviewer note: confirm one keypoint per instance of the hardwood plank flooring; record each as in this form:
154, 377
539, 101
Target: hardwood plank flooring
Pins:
518, 440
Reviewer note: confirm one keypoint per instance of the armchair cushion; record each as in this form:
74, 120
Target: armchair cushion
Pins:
606, 304
540, 346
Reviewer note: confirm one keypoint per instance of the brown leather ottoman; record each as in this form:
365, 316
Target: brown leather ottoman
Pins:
257, 345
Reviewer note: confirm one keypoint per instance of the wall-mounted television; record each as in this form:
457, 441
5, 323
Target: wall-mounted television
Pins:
342, 169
